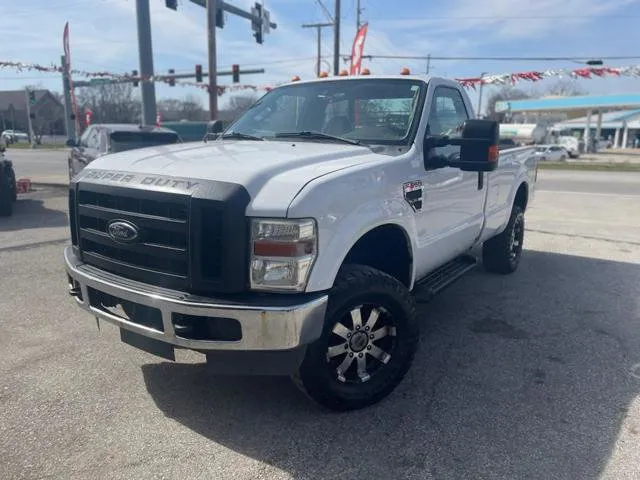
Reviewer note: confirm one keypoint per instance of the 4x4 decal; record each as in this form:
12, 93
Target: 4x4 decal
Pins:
413, 193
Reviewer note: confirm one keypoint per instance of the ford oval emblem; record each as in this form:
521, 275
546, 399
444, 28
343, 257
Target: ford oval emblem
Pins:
122, 231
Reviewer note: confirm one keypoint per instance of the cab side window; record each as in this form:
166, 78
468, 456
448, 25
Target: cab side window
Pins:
446, 117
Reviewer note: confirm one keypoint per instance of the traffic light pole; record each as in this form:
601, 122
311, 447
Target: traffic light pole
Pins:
211, 41
145, 51
28, 102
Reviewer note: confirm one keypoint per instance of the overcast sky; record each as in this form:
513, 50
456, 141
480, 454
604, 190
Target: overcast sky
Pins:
103, 37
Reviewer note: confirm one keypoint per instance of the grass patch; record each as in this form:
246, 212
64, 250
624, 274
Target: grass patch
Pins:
594, 167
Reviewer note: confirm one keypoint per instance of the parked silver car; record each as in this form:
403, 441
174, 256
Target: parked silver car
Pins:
551, 153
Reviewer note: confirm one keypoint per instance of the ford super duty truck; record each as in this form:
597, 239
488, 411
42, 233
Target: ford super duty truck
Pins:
292, 243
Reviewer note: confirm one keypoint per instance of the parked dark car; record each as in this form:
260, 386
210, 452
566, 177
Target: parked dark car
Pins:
8, 188
101, 139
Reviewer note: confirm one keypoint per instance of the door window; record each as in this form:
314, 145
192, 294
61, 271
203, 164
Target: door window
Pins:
446, 117
85, 136
93, 140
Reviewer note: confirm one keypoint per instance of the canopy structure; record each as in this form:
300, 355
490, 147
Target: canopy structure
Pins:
623, 114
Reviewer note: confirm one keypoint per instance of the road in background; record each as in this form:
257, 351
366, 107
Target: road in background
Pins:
533, 375
585, 182
45, 166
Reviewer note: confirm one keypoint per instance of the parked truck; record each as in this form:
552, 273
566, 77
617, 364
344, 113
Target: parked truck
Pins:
523, 133
293, 244
8, 187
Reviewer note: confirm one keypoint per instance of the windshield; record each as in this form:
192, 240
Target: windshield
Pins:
122, 141
370, 111
541, 149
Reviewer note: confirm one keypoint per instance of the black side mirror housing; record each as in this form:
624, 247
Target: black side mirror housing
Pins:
478, 146
71, 143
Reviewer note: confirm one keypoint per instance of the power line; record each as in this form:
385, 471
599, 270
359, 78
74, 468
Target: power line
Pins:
505, 17
498, 59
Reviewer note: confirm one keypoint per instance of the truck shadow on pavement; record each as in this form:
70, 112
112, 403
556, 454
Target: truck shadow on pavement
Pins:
31, 213
524, 376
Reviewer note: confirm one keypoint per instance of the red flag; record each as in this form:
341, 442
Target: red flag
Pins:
356, 50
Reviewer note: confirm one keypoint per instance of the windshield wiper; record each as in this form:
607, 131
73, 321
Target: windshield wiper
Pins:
241, 136
317, 135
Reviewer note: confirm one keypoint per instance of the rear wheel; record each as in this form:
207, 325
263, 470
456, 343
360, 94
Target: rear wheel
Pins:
368, 341
502, 253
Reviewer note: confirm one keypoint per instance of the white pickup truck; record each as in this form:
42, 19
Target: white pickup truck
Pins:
292, 243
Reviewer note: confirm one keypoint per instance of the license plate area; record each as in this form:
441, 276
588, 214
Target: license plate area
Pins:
149, 345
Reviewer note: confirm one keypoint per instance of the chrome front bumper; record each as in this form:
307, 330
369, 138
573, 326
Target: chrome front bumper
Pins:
264, 327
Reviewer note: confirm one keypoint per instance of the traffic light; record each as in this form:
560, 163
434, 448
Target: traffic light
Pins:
134, 74
198, 73
219, 18
235, 72
32, 97
172, 4
172, 80
256, 22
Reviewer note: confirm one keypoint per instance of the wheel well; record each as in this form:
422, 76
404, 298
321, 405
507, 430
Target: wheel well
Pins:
385, 248
522, 196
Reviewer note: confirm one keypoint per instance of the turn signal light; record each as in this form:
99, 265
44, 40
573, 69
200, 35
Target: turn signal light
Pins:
343, 73
405, 71
494, 152
365, 71
323, 75
295, 78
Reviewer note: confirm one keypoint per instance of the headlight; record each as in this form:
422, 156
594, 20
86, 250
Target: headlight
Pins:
282, 253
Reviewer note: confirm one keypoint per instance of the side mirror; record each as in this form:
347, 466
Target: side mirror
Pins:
478, 146
71, 143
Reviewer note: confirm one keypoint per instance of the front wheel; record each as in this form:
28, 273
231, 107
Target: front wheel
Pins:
502, 253
367, 345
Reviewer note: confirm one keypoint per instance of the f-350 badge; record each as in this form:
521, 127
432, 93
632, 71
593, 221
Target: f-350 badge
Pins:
413, 194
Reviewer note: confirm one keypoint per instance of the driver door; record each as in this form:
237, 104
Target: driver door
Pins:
452, 215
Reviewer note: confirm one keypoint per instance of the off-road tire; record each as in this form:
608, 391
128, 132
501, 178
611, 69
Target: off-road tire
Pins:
14, 187
358, 286
500, 254
6, 196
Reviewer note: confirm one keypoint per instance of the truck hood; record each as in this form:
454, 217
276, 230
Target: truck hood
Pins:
273, 172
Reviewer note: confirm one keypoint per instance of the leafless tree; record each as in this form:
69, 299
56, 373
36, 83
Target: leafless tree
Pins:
503, 93
110, 103
237, 105
172, 109
566, 88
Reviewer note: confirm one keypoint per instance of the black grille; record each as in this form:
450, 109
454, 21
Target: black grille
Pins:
194, 241
160, 254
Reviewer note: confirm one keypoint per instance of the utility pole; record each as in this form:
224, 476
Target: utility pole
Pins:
145, 52
69, 120
318, 27
27, 97
211, 41
480, 94
428, 63
336, 39
358, 11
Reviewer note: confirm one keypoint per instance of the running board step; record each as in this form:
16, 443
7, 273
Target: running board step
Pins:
445, 275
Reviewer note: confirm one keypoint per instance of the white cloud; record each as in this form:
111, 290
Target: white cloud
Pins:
509, 19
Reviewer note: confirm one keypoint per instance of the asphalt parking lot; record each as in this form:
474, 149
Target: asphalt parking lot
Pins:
534, 375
